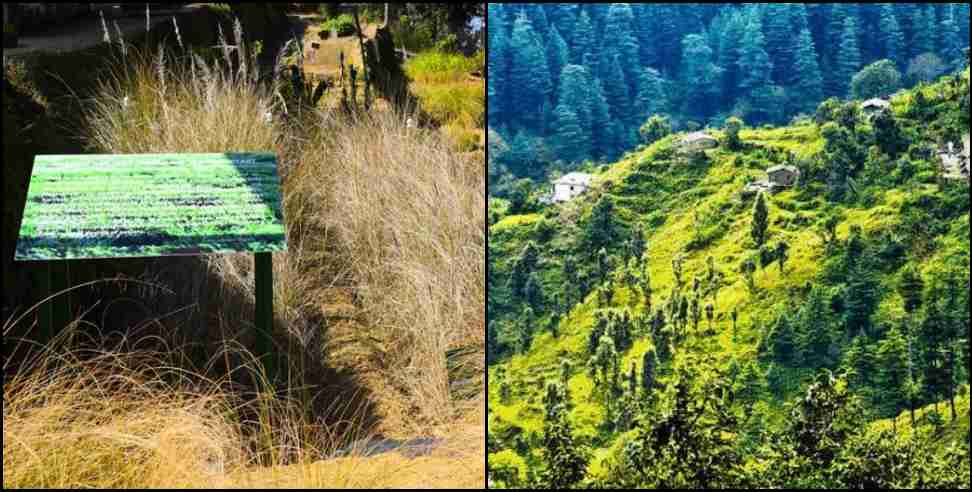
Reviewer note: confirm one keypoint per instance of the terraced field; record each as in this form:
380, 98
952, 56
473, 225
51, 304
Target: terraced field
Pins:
100, 206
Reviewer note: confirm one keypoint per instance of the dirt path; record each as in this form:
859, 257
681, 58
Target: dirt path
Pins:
322, 56
86, 31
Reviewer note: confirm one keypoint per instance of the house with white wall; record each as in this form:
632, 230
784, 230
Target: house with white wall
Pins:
571, 186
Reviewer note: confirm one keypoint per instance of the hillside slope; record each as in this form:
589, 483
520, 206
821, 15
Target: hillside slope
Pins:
554, 292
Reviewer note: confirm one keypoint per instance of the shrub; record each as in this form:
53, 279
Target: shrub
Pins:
343, 25
878, 79
439, 66
656, 128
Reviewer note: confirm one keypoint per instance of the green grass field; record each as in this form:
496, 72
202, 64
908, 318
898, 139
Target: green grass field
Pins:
100, 206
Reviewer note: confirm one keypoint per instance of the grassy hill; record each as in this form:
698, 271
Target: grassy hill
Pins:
694, 208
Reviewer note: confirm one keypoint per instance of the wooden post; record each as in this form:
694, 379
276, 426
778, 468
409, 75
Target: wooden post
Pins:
60, 281
263, 277
45, 312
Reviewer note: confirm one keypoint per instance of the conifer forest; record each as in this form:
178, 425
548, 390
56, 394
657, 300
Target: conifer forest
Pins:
728, 245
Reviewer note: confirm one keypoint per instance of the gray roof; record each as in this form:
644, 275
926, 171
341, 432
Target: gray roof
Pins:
791, 169
696, 137
575, 179
875, 103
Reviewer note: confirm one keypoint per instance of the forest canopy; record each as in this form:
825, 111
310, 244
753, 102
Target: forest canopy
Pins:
575, 82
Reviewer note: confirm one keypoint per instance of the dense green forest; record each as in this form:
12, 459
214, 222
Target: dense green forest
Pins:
671, 328
571, 82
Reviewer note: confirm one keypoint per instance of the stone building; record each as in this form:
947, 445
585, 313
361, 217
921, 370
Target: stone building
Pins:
784, 176
697, 142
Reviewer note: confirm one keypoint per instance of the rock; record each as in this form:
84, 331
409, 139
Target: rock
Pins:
411, 449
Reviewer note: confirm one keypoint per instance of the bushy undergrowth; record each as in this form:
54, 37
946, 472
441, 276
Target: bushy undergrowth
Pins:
447, 91
438, 66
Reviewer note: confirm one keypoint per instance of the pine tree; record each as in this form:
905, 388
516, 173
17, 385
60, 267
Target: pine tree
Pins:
700, 76
569, 141
619, 39
648, 366
848, 59
533, 292
862, 298
949, 42
529, 74
911, 288
807, 78
498, 57
604, 131
760, 222
756, 69
583, 40
575, 94
564, 460
786, 351
933, 335
652, 97
815, 334
923, 32
892, 377
730, 52
563, 16
779, 40
538, 19
524, 265
616, 92
643, 24
557, 56
891, 38
667, 37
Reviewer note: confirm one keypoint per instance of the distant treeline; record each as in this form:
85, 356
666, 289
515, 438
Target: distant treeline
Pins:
573, 82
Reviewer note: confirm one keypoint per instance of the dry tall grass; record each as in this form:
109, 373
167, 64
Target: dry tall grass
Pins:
389, 214
408, 212
136, 419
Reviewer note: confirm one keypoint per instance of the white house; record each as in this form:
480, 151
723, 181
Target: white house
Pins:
571, 186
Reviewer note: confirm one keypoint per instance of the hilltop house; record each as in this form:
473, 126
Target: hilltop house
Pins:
697, 142
874, 106
778, 179
783, 176
955, 162
571, 186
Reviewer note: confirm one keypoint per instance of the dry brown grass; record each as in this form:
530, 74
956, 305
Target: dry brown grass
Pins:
137, 420
408, 214
385, 224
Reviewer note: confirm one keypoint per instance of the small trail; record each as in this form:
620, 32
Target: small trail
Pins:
86, 31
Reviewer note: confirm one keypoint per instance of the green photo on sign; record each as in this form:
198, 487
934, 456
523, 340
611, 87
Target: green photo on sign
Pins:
109, 206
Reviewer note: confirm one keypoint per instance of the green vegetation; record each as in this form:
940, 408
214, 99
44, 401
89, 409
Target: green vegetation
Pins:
451, 90
667, 330
342, 25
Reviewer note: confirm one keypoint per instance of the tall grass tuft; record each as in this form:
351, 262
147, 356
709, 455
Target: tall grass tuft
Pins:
390, 213
123, 417
408, 214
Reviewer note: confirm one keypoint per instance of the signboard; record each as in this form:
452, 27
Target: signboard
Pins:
110, 206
